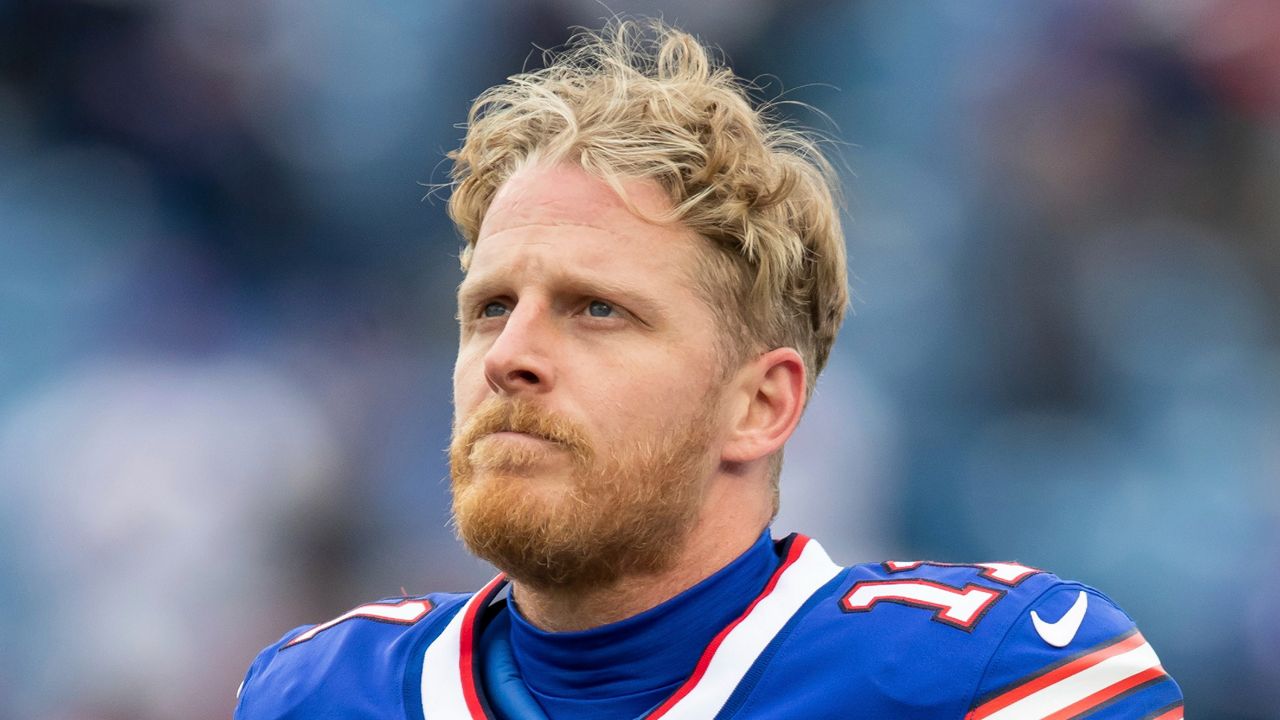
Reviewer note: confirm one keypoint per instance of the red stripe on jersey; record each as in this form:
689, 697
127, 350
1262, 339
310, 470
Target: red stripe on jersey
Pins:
1053, 676
1172, 714
466, 653
1105, 694
793, 553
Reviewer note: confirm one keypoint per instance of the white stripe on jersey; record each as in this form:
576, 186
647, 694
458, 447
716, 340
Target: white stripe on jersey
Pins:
444, 687
743, 645
1080, 685
443, 697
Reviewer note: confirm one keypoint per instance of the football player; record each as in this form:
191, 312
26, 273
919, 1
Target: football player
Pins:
654, 277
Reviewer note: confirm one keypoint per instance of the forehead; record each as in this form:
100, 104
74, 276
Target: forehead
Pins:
561, 214
566, 194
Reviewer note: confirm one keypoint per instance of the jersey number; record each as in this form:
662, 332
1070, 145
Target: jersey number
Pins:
405, 612
960, 607
1005, 573
957, 607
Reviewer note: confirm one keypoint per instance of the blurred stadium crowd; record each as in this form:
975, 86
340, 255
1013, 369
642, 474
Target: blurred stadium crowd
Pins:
226, 322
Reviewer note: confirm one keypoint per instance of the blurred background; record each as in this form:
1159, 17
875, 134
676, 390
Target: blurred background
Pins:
226, 315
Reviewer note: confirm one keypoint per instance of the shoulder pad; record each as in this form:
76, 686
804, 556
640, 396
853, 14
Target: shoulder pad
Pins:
392, 611
355, 661
1073, 652
956, 595
995, 640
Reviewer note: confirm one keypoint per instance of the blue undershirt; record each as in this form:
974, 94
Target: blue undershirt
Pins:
618, 671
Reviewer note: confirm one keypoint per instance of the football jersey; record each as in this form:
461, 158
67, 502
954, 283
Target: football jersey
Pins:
893, 640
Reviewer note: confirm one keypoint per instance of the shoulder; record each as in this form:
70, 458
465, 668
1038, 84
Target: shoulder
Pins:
1071, 651
357, 660
930, 639
1045, 646
915, 636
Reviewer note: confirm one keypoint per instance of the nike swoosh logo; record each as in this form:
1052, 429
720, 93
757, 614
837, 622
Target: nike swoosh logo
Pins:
1060, 634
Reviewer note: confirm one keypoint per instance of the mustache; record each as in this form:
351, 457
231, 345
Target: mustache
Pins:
496, 415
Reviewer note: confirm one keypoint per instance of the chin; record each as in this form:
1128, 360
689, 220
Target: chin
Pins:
581, 518
579, 532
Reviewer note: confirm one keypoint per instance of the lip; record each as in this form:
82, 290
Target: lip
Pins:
510, 436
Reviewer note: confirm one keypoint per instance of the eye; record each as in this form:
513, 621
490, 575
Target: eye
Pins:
493, 309
600, 308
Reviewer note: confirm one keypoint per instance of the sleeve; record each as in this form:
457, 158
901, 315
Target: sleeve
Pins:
248, 678
1072, 653
246, 707
350, 666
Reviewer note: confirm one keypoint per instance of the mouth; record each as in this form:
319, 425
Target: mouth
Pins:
519, 437
511, 451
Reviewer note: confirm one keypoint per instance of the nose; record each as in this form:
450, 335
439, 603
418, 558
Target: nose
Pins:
519, 360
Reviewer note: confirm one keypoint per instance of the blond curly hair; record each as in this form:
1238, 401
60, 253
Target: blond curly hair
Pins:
645, 100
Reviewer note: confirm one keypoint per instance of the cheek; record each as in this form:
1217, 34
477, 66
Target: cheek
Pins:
648, 401
469, 386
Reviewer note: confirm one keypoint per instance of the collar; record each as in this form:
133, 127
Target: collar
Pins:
450, 687
644, 654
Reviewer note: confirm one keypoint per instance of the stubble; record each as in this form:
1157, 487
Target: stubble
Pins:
622, 510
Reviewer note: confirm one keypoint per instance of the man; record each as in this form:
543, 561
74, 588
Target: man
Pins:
654, 278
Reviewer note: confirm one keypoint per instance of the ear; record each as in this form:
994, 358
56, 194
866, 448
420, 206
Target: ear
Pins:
773, 389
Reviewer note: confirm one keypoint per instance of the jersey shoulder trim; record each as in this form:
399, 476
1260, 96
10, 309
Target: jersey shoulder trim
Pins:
1083, 682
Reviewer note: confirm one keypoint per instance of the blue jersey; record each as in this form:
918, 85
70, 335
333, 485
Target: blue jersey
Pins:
894, 640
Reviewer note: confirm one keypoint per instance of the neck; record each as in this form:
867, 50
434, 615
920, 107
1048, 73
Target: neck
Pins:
714, 542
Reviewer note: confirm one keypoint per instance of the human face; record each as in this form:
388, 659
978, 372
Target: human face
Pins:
586, 388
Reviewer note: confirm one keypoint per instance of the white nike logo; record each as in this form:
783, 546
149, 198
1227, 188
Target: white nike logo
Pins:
1061, 633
